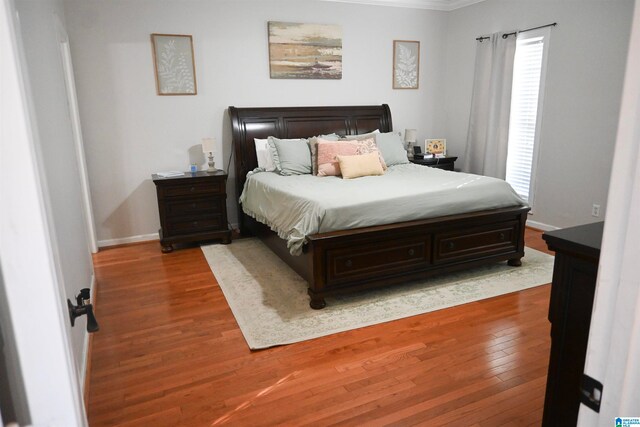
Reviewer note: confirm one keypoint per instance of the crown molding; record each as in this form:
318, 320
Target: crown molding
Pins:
457, 4
445, 5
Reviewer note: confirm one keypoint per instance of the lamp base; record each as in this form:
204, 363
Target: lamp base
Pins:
211, 163
410, 151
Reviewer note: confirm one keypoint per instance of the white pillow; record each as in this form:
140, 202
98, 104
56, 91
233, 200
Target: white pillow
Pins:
362, 135
265, 161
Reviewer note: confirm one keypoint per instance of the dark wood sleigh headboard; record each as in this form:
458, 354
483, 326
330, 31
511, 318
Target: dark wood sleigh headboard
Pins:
296, 122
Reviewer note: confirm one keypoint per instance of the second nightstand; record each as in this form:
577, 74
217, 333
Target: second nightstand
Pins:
445, 163
192, 208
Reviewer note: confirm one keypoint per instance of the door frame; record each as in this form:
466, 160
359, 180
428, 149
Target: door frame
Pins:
74, 112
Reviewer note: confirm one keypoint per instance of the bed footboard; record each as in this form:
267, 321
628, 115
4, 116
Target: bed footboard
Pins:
346, 261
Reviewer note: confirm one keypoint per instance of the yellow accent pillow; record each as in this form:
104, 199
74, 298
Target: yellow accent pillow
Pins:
360, 165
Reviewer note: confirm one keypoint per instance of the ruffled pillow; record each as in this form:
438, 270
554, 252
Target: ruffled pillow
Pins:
392, 148
290, 156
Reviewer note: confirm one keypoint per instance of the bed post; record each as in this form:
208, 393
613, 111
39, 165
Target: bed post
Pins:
241, 168
517, 261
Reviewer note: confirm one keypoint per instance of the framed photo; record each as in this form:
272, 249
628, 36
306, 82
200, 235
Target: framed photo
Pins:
174, 64
305, 51
406, 64
437, 147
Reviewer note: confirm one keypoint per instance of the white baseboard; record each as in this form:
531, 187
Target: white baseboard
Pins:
131, 239
541, 226
140, 238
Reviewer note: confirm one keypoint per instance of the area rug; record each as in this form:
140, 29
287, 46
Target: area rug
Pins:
270, 303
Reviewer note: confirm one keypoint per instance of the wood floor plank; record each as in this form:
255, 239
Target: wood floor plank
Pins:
170, 352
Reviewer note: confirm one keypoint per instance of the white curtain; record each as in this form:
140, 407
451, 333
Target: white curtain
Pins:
613, 353
488, 134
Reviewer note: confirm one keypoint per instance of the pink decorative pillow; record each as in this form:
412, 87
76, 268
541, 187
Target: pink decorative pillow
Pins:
328, 151
369, 145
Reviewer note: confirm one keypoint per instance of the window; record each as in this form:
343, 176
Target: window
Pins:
526, 105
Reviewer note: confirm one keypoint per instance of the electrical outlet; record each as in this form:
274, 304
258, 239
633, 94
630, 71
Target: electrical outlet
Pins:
595, 210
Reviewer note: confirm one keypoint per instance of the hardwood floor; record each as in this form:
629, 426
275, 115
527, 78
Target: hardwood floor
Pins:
169, 353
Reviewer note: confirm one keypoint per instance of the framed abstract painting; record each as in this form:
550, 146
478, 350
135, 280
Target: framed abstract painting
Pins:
305, 51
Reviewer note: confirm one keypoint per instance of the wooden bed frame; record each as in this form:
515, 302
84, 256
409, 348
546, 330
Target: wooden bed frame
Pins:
362, 258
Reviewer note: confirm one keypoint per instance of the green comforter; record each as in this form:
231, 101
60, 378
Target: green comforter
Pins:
300, 205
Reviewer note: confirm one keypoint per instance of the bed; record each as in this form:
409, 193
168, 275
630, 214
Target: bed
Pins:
380, 255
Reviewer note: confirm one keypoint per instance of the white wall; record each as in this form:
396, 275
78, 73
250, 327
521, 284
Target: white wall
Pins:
130, 132
587, 55
55, 151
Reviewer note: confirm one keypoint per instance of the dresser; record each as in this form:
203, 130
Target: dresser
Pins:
572, 290
192, 208
446, 163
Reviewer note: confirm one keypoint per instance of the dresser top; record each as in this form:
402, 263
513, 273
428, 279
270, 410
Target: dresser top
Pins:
188, 175
583, 240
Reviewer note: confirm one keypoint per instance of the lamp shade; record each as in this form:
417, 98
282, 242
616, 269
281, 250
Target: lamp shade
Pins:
410, 135
207, 145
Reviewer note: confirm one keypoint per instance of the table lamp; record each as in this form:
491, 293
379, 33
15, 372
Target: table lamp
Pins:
410, 139
207, 148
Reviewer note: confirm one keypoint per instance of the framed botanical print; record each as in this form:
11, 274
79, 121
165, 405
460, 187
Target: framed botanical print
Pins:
174, 64
406, 64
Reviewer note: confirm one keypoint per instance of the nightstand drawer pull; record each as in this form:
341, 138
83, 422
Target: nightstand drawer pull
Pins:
348, 263
501, 236
412, 252
192, 189
450, 245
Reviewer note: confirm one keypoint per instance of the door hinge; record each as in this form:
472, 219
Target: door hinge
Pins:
591, 392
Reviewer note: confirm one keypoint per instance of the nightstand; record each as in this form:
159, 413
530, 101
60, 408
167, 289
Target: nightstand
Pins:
192, 208
445, 163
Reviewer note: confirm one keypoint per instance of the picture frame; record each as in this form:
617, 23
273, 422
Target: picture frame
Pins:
435, 147
406, 64
305, 51
174, 64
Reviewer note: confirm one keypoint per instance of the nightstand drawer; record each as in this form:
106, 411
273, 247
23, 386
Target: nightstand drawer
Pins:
201, 188
491, 239
345, 264
195, 225
179, 207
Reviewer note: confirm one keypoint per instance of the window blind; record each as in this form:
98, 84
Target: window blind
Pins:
527, 69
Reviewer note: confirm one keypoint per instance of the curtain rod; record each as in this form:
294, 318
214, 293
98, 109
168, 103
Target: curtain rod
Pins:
504, 36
